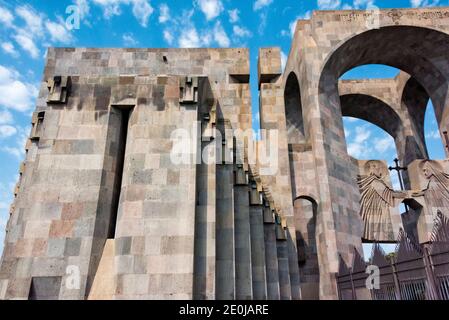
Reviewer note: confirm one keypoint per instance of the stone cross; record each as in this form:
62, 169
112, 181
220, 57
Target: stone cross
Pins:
398, 168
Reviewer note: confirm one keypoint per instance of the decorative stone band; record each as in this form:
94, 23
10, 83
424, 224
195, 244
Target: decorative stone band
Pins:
58, 89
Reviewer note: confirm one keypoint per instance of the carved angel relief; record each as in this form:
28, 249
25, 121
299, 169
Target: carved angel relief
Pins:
377, 200
437, 192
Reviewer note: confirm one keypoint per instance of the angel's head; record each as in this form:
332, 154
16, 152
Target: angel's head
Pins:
431, 169
374, 167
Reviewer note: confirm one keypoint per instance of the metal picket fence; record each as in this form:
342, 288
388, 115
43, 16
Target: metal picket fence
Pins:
414, 272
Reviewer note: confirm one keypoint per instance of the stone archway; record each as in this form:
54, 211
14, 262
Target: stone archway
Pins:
417, 51
305, 211
414, 100
296, 133
373, 110
325, 47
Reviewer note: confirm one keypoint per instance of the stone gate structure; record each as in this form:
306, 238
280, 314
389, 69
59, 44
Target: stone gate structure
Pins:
140, 181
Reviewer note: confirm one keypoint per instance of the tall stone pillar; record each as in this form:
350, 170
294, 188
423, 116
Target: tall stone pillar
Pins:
243, 270
271, 256
257, 244
225, 245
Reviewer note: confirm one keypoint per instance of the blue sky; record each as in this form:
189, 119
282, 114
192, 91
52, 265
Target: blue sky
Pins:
27, 28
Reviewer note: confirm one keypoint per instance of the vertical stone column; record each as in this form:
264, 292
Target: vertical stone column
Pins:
257, 244
205, 217
271, 258
283, 262
243, 272
225, 247
204, 281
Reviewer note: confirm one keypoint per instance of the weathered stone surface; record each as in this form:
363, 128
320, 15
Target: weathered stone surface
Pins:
101, 194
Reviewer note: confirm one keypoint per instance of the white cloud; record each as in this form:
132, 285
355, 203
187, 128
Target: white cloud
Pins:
189, 38
241, 32
168, 36
13, 151
433, 135
110, 7
184, 30
34, 28
328, 4
358, 147
366, 145
362, 134
337, 4
363, 3
259, 4
292, 25
6, 17
283, 60
220, 35
141, 9
83, 7
15, 94
164, 13
395, 181
210, 8
32, 18
18, 149
128, 40
234, 15
9, 48
262, 23
26, 42
5, 117
58, 32
423, 3
384, 144
37, 28
7, 131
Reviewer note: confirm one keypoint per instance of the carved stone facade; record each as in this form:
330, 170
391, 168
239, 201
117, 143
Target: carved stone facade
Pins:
103, 209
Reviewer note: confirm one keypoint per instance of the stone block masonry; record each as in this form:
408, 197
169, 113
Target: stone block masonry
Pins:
103, 209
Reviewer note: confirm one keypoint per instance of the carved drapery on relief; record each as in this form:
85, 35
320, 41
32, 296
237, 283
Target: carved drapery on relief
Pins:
436, 194
377, 199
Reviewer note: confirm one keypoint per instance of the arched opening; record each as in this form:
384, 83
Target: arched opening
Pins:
373, 130
420, 52
435, 145
415, 99
305, 211
373, 110
293, 111
367, 141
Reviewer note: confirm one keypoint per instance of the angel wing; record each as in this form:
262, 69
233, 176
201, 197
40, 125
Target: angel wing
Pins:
376, 193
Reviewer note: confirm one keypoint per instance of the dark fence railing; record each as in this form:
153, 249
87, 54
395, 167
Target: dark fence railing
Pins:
414, 272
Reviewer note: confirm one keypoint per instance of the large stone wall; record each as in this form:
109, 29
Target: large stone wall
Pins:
102, 211
323, 49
